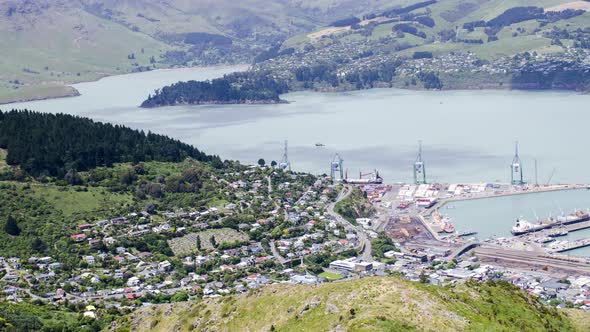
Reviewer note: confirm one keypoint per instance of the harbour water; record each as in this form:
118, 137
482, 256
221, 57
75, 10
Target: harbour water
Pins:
468, 135
494, 217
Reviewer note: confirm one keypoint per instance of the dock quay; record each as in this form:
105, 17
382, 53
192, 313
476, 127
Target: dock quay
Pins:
581, 243
578, 226
503, 193
569, 228
561, 221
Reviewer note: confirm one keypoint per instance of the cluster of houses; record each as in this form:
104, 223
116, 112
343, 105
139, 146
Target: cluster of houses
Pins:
112, 269
294, 224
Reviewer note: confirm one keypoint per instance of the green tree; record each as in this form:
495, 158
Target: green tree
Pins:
38, 245
261, 162
199, 243
423, 278
213, 241
179, 297
273, 163
11, 226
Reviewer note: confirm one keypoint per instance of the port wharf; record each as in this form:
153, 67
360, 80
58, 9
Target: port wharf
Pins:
581, 243
504, 193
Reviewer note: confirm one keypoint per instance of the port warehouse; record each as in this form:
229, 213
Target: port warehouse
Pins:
428, 194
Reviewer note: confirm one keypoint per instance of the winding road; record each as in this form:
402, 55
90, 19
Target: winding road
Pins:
364, 242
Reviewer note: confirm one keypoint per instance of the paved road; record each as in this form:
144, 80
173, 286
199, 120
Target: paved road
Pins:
364, 241
276, 253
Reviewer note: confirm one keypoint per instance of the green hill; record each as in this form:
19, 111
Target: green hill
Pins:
59, 170
49, 44
368, 304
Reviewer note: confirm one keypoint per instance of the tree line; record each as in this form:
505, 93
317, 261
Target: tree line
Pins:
235, 88
521, 14
552, 74
54, 144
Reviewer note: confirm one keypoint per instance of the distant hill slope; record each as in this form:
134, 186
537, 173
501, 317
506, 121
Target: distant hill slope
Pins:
369, 304
49, 43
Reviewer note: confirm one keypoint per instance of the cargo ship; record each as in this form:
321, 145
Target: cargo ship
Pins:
443, 222
447, 227
524, 227
373, 178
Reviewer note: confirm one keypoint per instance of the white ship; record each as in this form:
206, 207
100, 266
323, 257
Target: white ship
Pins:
522, 227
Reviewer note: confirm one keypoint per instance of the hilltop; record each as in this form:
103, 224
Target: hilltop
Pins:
368, 304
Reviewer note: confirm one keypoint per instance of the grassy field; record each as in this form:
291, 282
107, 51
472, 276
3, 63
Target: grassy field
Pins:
56, 48
91, 204
510, 46
11, 93
368, 304
330, 276
50, 213
3, 158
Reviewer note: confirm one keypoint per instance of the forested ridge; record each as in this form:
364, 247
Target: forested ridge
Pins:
54, 144
237, 88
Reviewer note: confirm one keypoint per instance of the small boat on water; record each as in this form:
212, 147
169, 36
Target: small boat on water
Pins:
544, 240
558, 232
319, 145
466, 233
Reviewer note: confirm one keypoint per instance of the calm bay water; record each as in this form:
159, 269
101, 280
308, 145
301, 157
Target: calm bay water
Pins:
494, 217
468, 135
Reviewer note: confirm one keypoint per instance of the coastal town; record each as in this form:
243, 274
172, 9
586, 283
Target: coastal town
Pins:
307, 230
352, 63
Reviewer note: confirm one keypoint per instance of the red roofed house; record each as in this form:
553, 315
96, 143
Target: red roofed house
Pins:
78, 237
261, 259
119, 258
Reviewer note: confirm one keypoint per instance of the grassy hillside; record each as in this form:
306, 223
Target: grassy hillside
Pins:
48, 44
369, 304
354, 206
451, 15
49, 211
